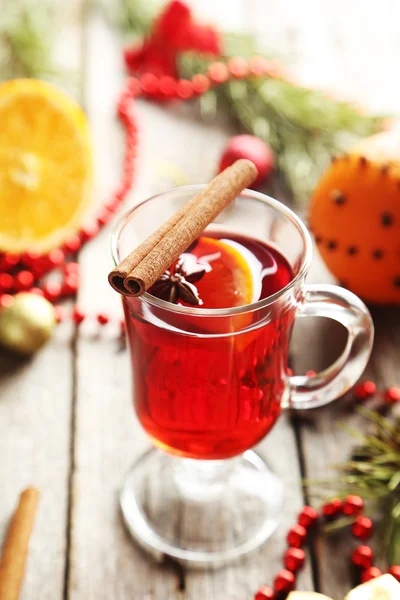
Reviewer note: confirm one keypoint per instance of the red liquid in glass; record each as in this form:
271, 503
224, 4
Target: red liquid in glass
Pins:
213, 397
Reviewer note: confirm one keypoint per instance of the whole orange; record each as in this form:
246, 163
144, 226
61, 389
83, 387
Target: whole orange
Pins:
355, 218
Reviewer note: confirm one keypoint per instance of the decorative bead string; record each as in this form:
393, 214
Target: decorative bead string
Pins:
294, 557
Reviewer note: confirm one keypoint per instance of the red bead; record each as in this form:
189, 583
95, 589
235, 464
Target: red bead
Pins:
102, 318
258, 65
370, 573
284, 581
296, 536
201, 83
72, 245
60, 313
149, 83
353, 505
294, 559
8, 261
78, 315
364, 390
30, 257
52, 290
395, 571
167, 86
37, 291
71, 284
362, 556
218, 72
133, 86
6, 282
72, 267
89, 232
55, 257
308, 516
332, 508
184, 89
24, 280
392, 395
104, 217
265, 593
311, 373
6, 300
362, 528
238, 66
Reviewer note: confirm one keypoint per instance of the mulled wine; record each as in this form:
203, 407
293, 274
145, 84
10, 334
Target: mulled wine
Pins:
211, 388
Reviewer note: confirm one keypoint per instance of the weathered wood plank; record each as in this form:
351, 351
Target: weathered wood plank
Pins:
35, 421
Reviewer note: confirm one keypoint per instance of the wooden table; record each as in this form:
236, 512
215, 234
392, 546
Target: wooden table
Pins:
66, 418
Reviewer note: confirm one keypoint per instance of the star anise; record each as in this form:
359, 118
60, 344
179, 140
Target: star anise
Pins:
178, 283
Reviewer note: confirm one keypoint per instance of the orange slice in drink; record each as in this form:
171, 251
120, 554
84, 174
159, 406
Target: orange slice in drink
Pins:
232, 281
45, 165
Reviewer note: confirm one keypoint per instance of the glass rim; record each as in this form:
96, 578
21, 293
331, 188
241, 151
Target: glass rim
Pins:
233, 310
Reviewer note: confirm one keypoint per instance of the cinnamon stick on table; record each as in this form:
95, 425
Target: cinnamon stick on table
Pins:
15, 549
137, 273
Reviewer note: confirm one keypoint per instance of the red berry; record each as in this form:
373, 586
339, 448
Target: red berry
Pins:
104, 217
296, 536
89, 232
392, 395
364, 390
252, 148
218, 72
102, 318
55, 257
332, 508
264, 593
149, 83
258, 65
78, 315
8, 261
353, 505
370, 573
362, 557
72, 245
184, 89
72, 267
52, 290
37, 291
294, 559
284, 581
30, 257
133, 86
308, 516
167, 86
237, 65
395, 571
362, 528
60, 313
24, 280
71, 284
6, 282
201, 83
6, 300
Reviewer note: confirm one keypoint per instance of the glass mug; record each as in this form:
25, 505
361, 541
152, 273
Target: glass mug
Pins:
210, 383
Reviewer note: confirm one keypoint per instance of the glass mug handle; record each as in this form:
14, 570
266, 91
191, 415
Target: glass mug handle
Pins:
345, 307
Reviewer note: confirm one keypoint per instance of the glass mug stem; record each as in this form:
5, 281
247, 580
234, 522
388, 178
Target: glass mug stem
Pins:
347, 309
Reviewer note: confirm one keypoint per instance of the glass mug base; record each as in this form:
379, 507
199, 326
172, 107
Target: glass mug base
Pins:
200, 513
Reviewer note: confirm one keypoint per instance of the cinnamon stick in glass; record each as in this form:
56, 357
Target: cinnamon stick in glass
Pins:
162, 248
15, 549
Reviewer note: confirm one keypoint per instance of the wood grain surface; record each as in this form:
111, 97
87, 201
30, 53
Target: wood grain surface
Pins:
66, 418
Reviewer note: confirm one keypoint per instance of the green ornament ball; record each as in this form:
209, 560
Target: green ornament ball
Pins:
27, 323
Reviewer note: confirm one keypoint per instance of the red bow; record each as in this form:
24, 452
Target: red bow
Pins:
174, 31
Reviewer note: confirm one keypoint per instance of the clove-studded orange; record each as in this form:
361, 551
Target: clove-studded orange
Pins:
355, 218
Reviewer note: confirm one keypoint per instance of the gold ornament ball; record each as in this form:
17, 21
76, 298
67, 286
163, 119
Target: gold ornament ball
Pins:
27, 323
